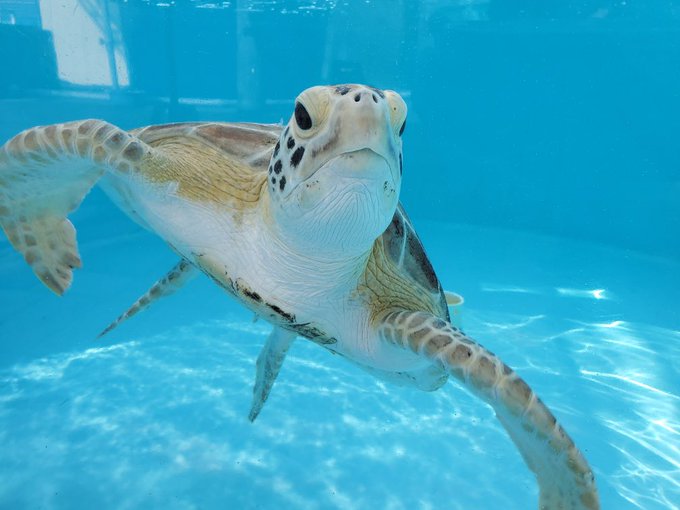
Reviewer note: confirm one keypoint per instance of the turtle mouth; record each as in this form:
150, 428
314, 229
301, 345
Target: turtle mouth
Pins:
355, 164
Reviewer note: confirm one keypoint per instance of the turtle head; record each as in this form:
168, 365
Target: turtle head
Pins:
335, 173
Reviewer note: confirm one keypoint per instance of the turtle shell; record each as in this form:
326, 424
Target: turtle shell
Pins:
399, 275
247, 143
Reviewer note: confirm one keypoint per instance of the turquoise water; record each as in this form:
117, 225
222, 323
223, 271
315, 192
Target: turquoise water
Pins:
541, 171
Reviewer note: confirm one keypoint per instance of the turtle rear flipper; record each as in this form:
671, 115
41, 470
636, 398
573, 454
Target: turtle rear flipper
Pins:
45, 172
268, 365
564, 477
180, 274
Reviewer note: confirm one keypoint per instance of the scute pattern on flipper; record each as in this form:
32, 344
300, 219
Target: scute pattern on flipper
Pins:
268, 365
49, 247
181, 273
564, 476
44, 174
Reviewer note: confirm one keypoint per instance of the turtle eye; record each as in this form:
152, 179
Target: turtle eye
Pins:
304, 121
403, 126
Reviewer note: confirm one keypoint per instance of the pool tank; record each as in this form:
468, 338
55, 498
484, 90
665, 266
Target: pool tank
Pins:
541, 169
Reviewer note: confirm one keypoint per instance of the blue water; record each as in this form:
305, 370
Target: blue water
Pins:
542, 171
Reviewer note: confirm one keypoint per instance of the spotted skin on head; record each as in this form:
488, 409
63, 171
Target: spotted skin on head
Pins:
284, 160
334, 178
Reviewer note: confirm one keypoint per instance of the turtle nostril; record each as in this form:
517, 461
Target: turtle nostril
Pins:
375, 98
357, 97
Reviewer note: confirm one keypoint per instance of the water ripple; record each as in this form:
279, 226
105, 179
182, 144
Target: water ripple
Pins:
164, 419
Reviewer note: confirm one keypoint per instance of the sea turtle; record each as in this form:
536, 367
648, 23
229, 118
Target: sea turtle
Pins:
302, 224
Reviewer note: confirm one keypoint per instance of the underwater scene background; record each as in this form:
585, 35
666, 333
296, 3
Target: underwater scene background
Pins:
541, 170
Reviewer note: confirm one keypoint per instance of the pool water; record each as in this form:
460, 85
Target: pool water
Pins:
541, 172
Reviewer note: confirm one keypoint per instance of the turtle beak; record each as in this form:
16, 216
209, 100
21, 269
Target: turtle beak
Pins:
368, 124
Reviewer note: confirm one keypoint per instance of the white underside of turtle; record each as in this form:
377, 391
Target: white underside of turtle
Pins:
302, 224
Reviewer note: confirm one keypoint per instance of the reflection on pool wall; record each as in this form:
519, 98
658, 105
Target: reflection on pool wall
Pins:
541, 171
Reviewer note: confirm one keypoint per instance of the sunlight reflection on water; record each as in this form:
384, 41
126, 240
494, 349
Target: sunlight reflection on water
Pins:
164, 416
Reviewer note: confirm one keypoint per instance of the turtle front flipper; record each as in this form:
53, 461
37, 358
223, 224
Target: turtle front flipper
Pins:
268, 366
45, 172
565, 479
169, 284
